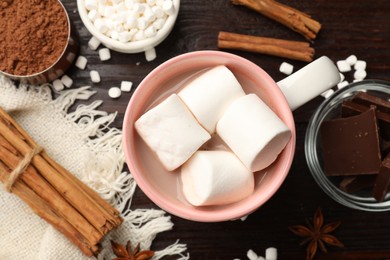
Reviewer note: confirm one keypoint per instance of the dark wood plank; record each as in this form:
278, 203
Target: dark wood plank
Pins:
349, 27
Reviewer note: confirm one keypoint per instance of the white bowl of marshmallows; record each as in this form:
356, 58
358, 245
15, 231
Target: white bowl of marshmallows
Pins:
129, 26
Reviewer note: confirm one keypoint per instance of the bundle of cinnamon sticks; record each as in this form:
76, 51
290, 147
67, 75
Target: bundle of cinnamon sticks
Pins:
51, 191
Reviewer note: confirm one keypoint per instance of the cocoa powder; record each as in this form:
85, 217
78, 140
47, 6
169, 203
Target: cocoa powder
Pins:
33, 35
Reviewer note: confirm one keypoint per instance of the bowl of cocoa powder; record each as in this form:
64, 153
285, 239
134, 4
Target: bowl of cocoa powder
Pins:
37, 44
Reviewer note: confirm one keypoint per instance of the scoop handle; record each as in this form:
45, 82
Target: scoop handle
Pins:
309, 82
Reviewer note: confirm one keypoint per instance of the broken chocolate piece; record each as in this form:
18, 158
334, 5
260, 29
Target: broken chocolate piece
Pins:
354, 107
382, 183
366, 99
351, 145
353, 184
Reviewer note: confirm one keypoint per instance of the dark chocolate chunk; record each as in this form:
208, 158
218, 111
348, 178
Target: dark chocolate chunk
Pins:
355, 106
382, 183
353, 184
351, 145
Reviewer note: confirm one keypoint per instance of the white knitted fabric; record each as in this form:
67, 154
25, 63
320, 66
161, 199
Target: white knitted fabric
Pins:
98, 161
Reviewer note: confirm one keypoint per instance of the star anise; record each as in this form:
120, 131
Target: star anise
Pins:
317, 234
127, 253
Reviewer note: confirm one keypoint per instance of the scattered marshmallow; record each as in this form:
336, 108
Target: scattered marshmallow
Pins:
104, 54
67, 81
351, 60
271, 253
343, 66
93, 43
342, 77
342, 84
360, 65
360, 74
244, 218
114, 92
95, 76
327, 93
81, 62
150, 54
57, 85
286, 68
126, 86
251, 255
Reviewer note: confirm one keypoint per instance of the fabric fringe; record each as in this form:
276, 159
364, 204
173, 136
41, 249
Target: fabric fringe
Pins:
106, 178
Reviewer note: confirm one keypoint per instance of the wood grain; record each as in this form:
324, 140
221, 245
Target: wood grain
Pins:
348, 27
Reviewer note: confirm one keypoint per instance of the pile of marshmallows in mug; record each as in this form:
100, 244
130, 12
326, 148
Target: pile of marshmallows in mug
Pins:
214, 103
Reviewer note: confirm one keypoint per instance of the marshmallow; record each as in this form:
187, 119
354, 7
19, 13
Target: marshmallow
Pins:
114, 92
209, 95
251, 255
351, 60
104, 54
95, 77
91, 4
342, 77
93, 43
253, 132
215, 178
57, 85
271, 253
360, 74
150, 54
168, 7
67, 81
81, 62
360, 65
93, 15
343, 66
327, 93
101, 25
286, 68
172, 132
342, 84
126, 86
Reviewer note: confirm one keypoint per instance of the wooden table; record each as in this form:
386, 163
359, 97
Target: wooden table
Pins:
349, 27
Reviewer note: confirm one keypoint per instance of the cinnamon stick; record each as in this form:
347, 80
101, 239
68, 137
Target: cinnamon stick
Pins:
53, 192
45, 212
295, 50
286, 15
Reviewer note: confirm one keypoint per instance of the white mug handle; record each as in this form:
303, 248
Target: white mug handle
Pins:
309, 82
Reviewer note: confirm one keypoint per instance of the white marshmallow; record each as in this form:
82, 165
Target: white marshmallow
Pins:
343, 66
91, 4
271, 253
150, 31
159, 23
95, 76
81, 62
286, 68
327, 93
139, 35
126, 86
101, 25
114, 92
168, 7
215, 178
104, 54
360, 74
253, 132
342, 84
351, 60
342, 77
360, 65
57, 85
93, 43
67, 81
209, 95
93, 15
150, 54
251, 255
158, 11
131, 22
142, 23
172, 132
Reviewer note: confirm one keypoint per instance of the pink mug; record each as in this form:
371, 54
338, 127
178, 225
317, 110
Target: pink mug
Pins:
163, 187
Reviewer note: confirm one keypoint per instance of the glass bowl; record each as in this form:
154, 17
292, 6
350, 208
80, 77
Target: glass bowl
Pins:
329, 109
